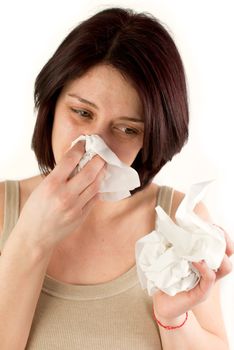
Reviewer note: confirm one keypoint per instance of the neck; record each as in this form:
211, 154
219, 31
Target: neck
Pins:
106, 211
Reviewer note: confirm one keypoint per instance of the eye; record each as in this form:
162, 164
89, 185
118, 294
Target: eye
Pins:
130, 131
82, 112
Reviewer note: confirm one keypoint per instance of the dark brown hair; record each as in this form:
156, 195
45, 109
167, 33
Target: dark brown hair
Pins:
144, 52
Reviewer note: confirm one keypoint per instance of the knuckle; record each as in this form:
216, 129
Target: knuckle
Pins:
72, 157
212, 277
80, 145
227, 268
50, 185
90, 175
64, 201
69, 216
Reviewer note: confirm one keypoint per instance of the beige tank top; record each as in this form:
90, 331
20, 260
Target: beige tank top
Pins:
115, 315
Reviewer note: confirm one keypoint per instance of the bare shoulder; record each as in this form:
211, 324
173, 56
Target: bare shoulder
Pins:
26, 187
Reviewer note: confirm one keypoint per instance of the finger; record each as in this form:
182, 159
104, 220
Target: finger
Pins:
230, 244
171, 306
68, 162
229, 241
91, 203
86, 176
92, 190
207, 279
225, 268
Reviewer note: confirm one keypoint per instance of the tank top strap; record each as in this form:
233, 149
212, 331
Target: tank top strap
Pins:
165, 196
11, 209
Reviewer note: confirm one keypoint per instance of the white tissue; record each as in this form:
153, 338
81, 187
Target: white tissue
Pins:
119, 179
164, 256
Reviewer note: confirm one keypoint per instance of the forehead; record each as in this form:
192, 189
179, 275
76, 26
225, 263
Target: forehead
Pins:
105, 83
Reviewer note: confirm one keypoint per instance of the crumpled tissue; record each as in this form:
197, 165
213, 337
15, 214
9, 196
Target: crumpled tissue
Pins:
119, 178
164, 256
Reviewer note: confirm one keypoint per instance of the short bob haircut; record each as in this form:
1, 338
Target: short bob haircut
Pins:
144, 53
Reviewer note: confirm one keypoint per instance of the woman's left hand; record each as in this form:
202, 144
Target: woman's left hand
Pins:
168, 308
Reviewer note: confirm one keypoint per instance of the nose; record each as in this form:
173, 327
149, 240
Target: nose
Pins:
106, 138
102, 131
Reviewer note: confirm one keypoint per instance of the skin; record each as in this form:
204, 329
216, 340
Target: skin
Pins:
115, 100
71, 207
104, 223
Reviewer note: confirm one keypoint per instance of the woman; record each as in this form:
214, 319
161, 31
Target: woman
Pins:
67, 271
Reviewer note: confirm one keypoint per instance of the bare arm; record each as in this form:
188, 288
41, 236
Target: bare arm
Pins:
205, 326
18, 298
22, 271
199, 332
64, 203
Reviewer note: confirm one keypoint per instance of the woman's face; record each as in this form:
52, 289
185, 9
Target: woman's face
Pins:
101, 102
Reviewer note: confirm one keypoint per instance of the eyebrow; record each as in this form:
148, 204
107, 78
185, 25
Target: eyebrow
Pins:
83, 100
96, 107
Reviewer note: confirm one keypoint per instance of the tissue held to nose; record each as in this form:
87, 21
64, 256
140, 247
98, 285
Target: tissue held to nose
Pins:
164, 257
119, 179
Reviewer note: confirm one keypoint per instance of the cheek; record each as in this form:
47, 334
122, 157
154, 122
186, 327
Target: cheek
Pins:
126, 154
63, 133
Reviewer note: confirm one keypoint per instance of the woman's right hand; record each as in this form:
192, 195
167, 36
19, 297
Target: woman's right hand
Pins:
59, 204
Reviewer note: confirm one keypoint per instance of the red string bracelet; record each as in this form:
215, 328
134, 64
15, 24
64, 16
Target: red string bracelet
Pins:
169, 328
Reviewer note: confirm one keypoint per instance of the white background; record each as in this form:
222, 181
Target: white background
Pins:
30, 31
